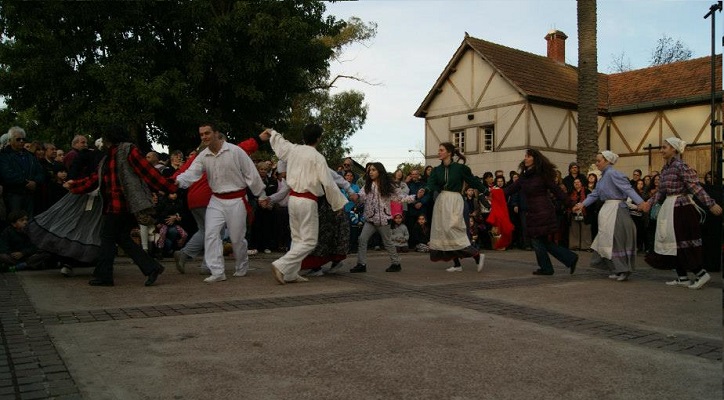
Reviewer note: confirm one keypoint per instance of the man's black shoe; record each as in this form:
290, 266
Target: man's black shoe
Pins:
394, 268
154, 275
358, 268
573, 266
99, 282
542, 272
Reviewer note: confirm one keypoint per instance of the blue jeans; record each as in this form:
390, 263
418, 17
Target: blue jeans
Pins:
542, 246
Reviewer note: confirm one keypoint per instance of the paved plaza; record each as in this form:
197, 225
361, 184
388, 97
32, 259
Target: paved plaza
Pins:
422, 333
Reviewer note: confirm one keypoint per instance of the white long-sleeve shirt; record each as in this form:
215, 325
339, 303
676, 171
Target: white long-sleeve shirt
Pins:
307, 170
227, 171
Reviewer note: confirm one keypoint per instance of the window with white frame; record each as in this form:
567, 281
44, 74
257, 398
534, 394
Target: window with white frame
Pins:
487, 138
458, 140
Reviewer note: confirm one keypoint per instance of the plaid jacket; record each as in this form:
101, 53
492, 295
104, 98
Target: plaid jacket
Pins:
114, 201
678, 178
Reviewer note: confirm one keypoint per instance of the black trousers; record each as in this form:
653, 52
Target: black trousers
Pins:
116, 230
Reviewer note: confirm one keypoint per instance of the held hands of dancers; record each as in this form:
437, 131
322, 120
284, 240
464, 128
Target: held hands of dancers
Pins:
353, 197
645, 206
577, 208
716, 209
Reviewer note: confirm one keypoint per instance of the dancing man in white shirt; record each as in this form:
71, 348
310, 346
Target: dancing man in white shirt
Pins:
230, 172
308, 178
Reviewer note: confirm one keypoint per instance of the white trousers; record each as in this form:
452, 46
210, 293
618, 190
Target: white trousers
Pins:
231, 213
304, 226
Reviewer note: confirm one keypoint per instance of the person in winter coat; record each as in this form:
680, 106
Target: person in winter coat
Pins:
537, 184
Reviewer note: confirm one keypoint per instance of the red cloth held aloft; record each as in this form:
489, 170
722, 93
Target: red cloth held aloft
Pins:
499, 218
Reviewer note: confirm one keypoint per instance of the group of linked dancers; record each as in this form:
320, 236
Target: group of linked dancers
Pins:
120, 190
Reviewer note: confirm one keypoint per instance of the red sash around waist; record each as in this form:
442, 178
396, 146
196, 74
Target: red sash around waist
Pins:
306, 195
232, 195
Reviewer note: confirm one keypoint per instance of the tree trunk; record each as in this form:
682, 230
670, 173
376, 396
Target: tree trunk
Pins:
587, 84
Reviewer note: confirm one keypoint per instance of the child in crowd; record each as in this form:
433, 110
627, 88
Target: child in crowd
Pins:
56, 191
420, 236
16, 249
399, 233
171, 236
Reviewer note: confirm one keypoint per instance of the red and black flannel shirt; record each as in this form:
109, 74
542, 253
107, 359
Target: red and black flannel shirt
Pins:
114, 202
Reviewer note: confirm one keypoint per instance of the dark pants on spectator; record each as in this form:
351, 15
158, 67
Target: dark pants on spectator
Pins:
20, 202
33, 261
116, 230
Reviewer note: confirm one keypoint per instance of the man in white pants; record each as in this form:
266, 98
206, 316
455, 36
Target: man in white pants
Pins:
230, 173
308, 178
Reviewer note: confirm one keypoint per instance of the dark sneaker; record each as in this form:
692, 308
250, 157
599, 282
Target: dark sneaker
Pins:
154, 275
358, 268
573, 265
394, 268
542, 272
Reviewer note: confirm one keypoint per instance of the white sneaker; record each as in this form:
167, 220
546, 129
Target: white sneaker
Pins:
317, 272
336, 267
239, 274
623, 277
679, 282
701, 281
66, 271
481, 262
252, 252
215, 278
613, 276
454, 269
299, 279
267, 251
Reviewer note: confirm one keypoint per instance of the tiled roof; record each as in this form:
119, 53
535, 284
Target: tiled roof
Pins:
664, 82
544, 79
535, 75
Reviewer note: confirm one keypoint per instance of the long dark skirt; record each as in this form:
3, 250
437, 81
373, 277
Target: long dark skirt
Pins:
70, 228
333, 238
688, 242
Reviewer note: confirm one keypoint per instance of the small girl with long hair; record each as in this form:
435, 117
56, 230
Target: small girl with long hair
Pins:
400, 235
376, 195
420, 235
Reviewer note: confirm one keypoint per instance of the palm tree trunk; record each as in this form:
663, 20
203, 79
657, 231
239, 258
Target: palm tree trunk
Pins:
587, 83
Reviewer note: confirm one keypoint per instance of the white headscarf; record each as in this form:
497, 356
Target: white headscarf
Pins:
677, 143
610, 156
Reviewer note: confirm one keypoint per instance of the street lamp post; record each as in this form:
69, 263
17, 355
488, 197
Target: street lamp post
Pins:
417, 151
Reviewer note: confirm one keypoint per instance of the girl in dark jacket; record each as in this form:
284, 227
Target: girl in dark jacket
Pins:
536, 183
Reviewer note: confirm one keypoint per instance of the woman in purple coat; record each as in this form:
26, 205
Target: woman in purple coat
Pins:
537, 185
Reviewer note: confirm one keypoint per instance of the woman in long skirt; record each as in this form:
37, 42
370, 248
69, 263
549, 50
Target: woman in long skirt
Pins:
448, 236
678, 241
615, 244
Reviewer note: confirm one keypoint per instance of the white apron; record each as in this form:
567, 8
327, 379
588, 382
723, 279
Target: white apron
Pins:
665, 242
603, 243
448, 231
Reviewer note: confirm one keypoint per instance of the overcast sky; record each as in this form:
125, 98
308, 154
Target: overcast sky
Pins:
416, 39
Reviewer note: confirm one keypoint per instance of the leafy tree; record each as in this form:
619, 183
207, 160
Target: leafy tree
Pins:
668, 51
406, 167
587, 83
162, 67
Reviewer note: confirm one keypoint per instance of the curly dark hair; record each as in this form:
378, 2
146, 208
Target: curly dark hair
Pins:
541, 165
384, 183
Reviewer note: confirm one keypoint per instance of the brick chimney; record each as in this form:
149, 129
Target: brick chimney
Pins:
556, 45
